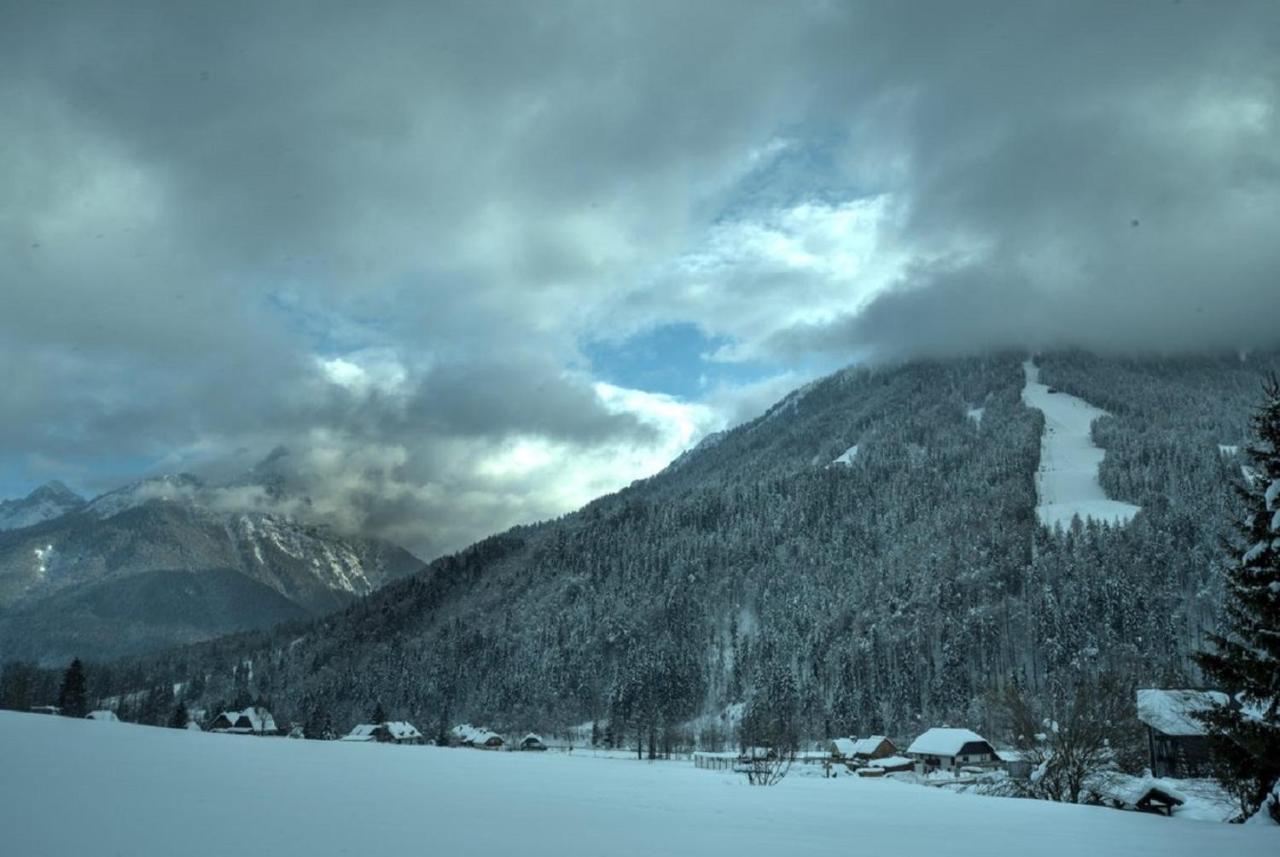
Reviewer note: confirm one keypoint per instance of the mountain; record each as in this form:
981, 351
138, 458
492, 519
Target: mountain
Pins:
50, 500
172, 560
867, 556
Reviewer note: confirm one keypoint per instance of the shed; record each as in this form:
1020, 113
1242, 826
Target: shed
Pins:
106, 715
532, 742
947, 749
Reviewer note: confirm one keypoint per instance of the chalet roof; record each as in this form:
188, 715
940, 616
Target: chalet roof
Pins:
257, 718
361, 732
867, 746
104, 714
944, 742
1173, 711
468, 734
402, 730
843, 746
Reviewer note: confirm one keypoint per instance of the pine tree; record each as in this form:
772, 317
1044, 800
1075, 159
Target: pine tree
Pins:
379, 715
1245, 660
179, 718
73, 698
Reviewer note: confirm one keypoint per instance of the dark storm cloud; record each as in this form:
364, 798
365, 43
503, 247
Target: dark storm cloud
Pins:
377, 233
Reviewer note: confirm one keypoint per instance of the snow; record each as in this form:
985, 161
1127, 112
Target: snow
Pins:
1228, 449
1273, 491
846, 458
975, 414
1067, 480
149, 791
1173, 711
104, 715
943, 742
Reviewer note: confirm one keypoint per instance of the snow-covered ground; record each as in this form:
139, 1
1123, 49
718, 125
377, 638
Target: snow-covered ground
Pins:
1067, 480
71, 787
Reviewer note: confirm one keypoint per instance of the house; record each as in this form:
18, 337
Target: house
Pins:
532, 742
105, 715
1178, 743
949, 749
874, 747
841, 748
388, 732
467, 735
254, 720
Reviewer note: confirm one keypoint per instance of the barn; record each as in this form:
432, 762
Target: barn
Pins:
943, 749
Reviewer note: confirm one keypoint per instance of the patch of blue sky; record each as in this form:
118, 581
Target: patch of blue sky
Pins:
674, 359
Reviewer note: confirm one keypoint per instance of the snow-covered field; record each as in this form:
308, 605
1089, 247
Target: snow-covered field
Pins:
73, 787
1067, 480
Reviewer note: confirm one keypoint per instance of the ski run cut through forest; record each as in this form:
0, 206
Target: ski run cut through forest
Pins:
140, 790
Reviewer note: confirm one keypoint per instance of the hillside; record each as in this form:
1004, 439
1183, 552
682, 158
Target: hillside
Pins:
865, 590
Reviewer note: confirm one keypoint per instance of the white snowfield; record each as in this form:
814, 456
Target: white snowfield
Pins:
1067, 480
72, 788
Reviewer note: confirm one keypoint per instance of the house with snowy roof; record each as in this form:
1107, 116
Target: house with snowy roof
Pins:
532, 741
466, 735
861, 749
388, 732
1177, 741
945, 749
106, 715
254, 720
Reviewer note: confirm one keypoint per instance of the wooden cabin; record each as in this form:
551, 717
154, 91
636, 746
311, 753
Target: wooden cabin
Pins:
950, 749
387, 732
532, 742
1177, 742
254, 720
467, 735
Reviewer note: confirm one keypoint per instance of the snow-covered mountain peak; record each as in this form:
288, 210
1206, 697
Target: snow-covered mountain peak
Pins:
51, 500
169, 487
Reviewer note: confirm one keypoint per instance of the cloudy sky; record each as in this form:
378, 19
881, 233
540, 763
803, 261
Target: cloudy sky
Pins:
474, 264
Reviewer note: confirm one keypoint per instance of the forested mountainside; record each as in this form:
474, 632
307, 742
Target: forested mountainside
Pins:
867, 590
160, 563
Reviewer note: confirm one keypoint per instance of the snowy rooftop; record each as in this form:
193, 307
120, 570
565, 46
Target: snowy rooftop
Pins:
943, 742
1173, 711
104, 714
867, 746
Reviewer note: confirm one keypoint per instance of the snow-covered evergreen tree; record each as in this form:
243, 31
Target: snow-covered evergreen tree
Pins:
1245, 660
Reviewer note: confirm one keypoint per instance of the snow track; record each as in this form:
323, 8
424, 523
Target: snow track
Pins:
1067, 480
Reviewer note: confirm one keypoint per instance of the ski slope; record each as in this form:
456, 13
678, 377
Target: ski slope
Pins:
1067, 480
70, 788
